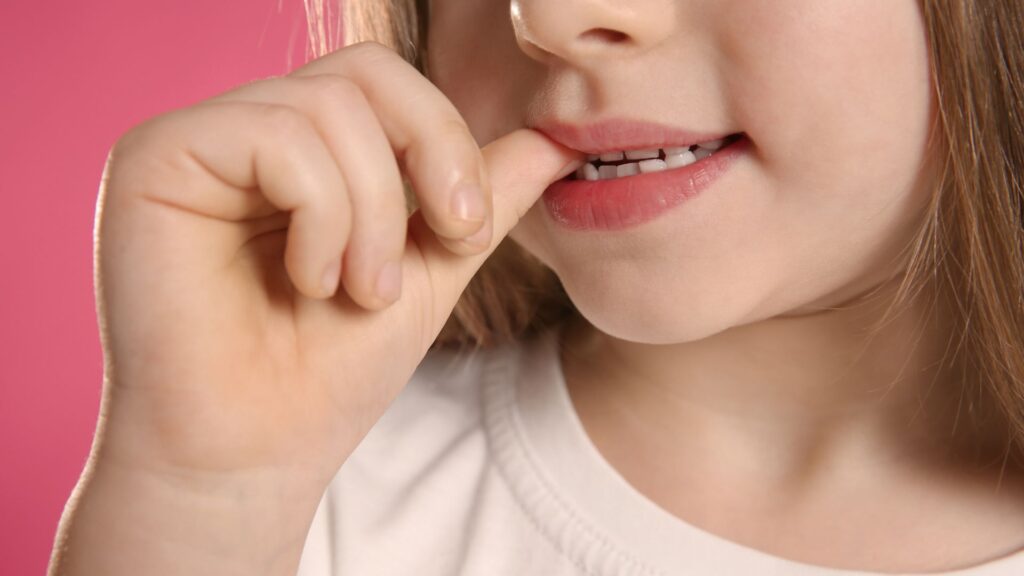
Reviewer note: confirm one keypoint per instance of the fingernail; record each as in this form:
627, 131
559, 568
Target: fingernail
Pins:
329, 282
468, 202
389, 282
481, 238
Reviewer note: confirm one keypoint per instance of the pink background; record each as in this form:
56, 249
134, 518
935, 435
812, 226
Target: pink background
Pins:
74, 75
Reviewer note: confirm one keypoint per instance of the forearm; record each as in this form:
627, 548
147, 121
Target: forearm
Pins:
122, 522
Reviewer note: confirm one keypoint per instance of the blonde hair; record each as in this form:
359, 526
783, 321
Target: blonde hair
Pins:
969, 249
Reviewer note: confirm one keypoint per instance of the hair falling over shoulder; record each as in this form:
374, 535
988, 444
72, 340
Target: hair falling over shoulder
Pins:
969, 251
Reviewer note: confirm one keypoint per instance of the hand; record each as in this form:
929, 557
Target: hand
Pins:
225, 353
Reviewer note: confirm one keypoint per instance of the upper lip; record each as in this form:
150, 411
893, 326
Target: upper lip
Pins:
616, 135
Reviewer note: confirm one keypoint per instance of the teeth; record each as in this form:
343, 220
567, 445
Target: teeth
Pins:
680, 160
630, 169
649, 161
607, 172
676, 151
642, 154
653, 166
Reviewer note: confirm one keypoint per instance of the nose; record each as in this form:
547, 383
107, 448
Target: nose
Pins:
581, 31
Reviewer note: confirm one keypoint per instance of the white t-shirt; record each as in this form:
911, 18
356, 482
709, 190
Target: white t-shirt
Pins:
481, 467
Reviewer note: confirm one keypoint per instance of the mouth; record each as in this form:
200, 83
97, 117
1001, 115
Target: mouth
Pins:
635, 170
622, 147
626, 163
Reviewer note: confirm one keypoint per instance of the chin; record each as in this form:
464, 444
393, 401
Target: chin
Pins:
630, 311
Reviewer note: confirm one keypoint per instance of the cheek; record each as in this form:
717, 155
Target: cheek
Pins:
830, 87
837, 97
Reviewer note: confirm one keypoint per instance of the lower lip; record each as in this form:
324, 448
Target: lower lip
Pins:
633, 200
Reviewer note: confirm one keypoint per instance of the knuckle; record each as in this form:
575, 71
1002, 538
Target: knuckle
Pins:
284, 121
454, 126
371, 47
331, 87
141, 155
127, 143
455, 131
142, 134
424, 301
368, 55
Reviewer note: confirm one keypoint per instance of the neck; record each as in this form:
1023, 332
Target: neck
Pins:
790, 397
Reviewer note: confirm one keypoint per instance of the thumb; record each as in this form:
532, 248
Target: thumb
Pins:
519, 167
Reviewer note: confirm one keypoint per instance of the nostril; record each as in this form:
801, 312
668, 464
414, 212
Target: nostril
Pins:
605, 35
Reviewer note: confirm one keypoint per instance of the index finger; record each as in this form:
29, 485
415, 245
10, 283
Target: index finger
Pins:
428, 134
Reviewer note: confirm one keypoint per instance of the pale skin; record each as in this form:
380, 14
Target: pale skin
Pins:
720, 365
236, 386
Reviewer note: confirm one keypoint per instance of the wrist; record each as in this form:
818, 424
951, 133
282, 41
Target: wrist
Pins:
130, 521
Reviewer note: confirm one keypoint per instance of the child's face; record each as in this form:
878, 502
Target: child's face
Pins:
834, 96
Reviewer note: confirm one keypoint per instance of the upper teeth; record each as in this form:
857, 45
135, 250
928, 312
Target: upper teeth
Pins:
649, 160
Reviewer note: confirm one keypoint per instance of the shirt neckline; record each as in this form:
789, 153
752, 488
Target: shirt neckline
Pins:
581, 503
